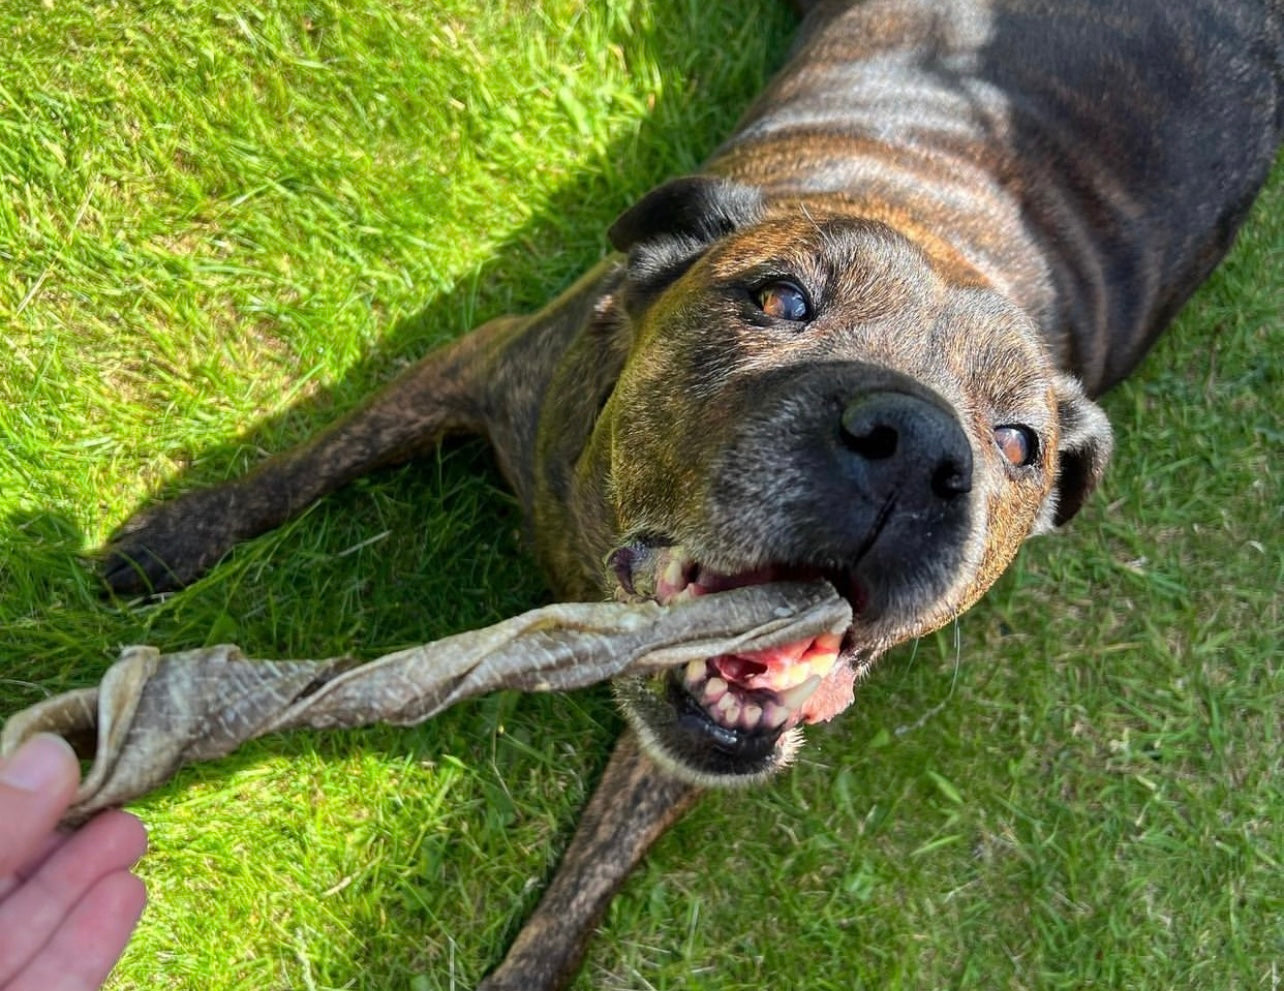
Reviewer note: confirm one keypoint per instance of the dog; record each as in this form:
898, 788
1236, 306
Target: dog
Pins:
860, 344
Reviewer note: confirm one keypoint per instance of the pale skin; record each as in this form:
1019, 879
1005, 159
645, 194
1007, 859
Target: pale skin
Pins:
68, 902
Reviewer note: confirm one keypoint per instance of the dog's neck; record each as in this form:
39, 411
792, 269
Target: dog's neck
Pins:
1021, 156
918, 143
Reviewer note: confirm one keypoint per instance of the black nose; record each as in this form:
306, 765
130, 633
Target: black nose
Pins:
906, 446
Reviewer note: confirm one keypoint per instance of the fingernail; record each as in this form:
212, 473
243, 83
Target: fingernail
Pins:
38, 764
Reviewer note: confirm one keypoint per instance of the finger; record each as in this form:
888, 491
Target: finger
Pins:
42, 852
89, 941
33, 913
36, 784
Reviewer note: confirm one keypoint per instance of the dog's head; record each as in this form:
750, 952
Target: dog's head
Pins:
805, 395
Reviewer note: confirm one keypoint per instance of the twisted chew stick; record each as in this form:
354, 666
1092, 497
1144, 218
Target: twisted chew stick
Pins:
152, 713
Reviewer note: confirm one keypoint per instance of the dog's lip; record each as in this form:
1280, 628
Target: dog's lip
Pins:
649, 568
692, 717
757, 695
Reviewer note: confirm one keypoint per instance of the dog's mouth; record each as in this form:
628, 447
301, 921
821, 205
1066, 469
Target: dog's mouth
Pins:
733, 716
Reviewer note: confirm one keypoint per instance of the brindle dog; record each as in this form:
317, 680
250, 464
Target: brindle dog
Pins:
859, 345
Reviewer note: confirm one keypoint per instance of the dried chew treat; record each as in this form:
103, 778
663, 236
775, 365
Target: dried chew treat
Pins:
153, 713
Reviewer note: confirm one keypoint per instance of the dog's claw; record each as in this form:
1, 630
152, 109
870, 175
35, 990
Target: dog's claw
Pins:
136, 572
170, 545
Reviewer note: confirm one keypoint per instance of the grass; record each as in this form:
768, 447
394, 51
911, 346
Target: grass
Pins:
222, 224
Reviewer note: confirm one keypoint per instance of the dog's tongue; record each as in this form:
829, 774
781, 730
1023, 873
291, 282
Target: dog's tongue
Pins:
791, 670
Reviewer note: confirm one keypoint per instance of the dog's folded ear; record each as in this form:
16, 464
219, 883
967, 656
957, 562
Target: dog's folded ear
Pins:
666, 230
1083, 450
699, 208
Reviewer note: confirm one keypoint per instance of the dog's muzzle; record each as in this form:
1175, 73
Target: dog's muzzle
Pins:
840, 471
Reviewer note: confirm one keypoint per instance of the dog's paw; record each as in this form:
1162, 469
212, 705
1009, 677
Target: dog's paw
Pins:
170, 545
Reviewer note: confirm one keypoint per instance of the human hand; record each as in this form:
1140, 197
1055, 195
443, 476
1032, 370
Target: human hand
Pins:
67, 900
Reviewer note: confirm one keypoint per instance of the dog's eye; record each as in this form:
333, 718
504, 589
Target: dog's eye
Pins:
1020, 445
783, 301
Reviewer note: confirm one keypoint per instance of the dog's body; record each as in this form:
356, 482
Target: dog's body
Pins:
858, 345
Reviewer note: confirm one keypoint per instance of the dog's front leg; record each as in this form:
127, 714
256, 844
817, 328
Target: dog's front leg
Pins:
633, 805
171, 544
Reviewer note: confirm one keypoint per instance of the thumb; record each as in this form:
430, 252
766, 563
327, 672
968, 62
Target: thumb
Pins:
37, 783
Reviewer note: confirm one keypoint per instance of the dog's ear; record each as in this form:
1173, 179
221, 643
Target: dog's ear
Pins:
700, 208
666, 230
1082, 452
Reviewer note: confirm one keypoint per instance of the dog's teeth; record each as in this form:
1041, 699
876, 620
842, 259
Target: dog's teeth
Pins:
821, 665
774, 715
726, 709
714, 690
750, 716
673, 572
695, 672
796, 697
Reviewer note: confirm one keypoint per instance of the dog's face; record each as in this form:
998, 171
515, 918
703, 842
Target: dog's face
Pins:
805, 396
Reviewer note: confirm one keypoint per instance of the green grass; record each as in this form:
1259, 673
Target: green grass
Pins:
220, 225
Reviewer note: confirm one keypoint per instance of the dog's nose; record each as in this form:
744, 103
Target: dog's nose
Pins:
907, 447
